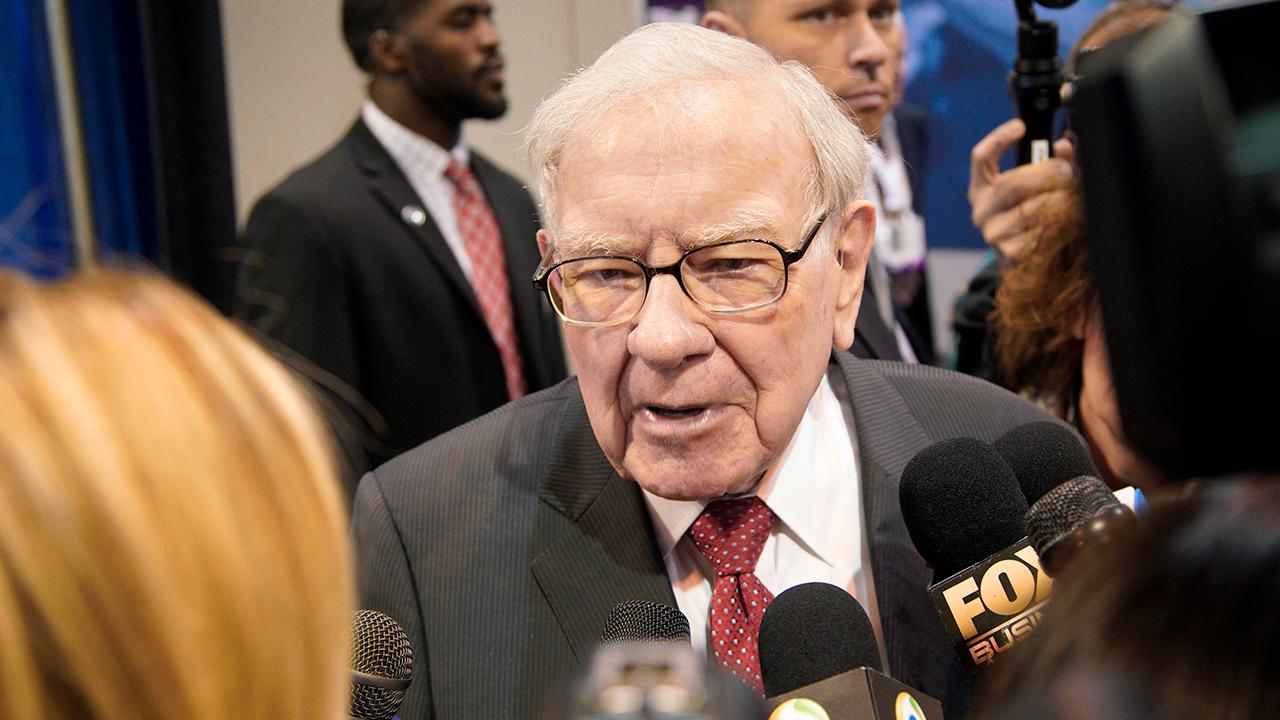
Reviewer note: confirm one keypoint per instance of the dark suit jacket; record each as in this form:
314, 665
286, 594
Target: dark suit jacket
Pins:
872, 339
342, 277
913, 135
502, 546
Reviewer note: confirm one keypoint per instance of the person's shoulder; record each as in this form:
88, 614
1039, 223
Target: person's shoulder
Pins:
946, 403
330, 194
321, 179
924, 380
509, 444
910, 116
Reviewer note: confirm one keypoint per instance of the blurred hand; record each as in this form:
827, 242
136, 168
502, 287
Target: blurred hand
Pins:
1007, 206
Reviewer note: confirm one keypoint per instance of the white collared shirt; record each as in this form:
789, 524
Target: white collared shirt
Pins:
423, 163
818, 536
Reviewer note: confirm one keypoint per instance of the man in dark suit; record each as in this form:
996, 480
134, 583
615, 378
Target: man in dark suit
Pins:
706, 248
397, 264
855, 49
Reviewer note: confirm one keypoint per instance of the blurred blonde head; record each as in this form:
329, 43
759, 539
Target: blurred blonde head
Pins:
173, 542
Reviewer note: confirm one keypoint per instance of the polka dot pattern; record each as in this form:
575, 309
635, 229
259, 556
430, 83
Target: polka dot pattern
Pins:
730, 534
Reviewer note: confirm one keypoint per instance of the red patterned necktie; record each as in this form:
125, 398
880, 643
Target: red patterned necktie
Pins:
483, 243
731, 534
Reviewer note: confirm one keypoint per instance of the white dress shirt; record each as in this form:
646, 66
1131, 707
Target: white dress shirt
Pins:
818, 535
423, 163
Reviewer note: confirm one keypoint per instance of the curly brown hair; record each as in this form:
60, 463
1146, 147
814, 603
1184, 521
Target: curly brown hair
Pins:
1041, 305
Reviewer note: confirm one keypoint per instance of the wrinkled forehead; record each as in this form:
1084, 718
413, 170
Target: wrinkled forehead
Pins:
683, 169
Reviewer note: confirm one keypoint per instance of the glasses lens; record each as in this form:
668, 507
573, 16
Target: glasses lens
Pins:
597, 290
735, 276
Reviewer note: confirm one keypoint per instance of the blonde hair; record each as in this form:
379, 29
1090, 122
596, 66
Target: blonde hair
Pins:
658, 58
173, 541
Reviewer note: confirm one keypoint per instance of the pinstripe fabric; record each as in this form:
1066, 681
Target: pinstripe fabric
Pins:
501, 546
898, 410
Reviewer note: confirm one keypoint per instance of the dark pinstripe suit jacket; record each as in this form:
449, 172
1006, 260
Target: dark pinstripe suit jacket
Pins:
502, 545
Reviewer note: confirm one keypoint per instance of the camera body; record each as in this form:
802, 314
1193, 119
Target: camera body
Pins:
1179, 148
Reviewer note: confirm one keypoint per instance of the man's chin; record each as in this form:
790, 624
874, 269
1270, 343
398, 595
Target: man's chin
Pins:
676, 482
488, 107
868, 122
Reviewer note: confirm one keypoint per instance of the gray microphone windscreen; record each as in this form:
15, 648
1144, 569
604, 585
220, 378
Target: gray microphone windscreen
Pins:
645, 621
381, 665
1065, 508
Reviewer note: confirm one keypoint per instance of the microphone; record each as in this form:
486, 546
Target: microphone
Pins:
381, 666
645, 621
1079, 513
1043, 455
1036, 80
819, 658
1070, 506
646, 668
964, 510
961, 503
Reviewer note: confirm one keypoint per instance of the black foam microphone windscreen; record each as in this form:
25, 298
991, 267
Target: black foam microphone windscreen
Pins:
381, 666
812, 632
961, 503
645, 621
1044, 455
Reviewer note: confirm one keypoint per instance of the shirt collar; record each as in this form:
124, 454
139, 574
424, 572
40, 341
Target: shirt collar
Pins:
802, 473
412, 152
807, 472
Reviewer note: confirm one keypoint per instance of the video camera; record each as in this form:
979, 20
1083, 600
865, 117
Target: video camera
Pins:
1178, 133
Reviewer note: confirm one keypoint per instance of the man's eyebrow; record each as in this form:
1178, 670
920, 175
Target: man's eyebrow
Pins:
574, 243
577, 242
748, 226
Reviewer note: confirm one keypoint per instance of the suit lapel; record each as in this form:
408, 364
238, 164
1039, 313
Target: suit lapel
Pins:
594, 546
394, 191
888, 437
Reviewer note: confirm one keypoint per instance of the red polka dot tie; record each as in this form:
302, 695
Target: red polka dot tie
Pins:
483, 244
731, 534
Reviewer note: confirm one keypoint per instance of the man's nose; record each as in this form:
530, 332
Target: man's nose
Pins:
669, 328
867, 49
488, 36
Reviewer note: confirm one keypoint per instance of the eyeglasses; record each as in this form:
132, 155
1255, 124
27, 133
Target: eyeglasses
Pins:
725, 277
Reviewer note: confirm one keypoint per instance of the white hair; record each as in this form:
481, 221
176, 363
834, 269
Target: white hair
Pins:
653, 60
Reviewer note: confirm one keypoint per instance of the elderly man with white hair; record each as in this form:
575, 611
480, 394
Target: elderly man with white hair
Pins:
705, 248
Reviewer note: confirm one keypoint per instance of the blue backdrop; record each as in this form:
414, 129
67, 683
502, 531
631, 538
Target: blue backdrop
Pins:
35, 225
115, 109
959, 57
111, 89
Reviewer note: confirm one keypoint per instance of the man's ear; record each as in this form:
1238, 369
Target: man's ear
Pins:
852, 247
544, 241
388, 53
721, 21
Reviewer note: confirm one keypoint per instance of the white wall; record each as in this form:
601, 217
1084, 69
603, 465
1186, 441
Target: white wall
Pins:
293, 90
